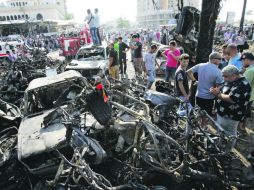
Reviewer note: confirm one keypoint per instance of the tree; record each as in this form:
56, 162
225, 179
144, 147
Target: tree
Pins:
68, 16
123, 23
180, 5
243, 15
249, 12
209, 13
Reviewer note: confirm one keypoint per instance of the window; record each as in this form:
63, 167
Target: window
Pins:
15, 17
23, 3
8, 18
19, 17
27, 17
11, 17
17, 4
20, 4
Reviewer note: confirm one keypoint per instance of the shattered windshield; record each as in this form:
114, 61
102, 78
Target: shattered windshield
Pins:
48, 97
91, 54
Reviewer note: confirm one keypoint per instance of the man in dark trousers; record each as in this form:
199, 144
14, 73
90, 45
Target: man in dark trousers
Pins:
113, 62
232, 101
123, 48
138, 58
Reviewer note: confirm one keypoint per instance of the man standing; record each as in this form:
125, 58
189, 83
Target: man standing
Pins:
91, 22
181, 78
137, 54
123, 48
158, 36
181, 82
14, 55
164, 32
172, 55
149, 60
227, 36
248, 63
209, 75
234, 57
97, 25
113, 62
232, 100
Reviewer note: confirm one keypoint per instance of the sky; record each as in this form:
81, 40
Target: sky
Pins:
112, 9
108, 9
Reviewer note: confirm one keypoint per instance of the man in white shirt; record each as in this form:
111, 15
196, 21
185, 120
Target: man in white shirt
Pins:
97, 24
91, 22
14, 55
150, 67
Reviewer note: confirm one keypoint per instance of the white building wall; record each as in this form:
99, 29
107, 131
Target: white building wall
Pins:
149, 16
49, 9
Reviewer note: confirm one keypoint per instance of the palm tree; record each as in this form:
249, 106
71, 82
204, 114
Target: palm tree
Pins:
243, 15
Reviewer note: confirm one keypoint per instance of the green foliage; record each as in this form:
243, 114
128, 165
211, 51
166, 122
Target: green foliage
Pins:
123, 23
249, 12
68, 16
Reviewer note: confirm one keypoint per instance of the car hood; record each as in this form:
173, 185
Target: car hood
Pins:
87, 64
34, 139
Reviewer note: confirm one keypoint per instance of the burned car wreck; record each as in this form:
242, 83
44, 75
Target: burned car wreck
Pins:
90, 61
70, 134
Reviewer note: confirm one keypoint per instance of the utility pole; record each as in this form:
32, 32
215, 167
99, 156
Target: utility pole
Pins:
157, 12
243, 15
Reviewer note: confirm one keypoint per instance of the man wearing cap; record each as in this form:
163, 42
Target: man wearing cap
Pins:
209, 75
234, 57
232, 100
248, 63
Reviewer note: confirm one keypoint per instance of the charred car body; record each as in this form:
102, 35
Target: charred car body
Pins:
187, 30
90, 61
40, 99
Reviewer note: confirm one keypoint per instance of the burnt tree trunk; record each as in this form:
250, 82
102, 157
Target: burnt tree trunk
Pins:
209, 13
180, 5
243, 15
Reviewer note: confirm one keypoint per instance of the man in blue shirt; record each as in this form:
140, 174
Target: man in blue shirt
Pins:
235, 57
209, 76
150, 62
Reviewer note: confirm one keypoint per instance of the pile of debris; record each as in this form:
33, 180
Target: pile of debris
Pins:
15, 76
71, 134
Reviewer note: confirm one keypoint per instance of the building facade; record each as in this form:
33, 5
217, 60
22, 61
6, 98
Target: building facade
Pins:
151, 16
32, 10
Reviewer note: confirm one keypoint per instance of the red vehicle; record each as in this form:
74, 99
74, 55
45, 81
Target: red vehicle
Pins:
71, 45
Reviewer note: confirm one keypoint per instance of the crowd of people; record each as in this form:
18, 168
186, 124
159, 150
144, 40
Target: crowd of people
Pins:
226, 89
25, 44
225, 84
